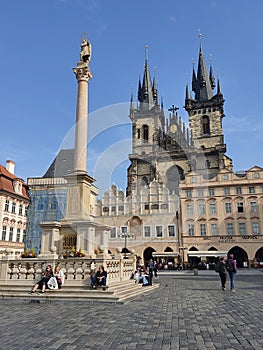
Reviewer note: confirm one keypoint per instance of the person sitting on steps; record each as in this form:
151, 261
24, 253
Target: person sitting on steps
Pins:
42, 284
142, 276
99, 279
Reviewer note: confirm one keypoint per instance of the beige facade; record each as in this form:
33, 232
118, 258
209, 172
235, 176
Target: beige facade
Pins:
224, 213
13, 208
147, 222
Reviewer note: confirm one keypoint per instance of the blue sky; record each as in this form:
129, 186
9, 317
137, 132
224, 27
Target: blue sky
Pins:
40, 42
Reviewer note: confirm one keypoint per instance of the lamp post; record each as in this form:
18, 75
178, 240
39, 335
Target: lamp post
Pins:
180, 248
125, 235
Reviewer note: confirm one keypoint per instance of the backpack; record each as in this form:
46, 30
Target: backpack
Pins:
230, 266
217, 267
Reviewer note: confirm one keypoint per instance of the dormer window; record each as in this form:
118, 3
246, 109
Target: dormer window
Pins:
18, 186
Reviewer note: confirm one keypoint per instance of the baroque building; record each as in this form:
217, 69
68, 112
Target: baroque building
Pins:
14, 201
223, 213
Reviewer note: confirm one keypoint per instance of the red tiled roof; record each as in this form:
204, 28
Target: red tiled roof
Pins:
6, 183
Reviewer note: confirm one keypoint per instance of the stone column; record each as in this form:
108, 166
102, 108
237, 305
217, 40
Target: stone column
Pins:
83, 75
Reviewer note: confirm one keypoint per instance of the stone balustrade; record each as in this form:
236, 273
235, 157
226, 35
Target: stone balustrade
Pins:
76, 270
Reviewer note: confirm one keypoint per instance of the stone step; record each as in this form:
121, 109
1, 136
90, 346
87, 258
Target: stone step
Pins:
117, 292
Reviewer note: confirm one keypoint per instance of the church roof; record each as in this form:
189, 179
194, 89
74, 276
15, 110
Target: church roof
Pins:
62, 165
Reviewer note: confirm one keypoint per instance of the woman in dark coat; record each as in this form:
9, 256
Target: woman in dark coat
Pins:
42, 284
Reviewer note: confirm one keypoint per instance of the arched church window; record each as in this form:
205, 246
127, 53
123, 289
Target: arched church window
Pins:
144, 181
145, 133
206, 125
138, 133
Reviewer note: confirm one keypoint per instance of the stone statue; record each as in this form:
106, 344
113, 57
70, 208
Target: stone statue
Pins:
85, 53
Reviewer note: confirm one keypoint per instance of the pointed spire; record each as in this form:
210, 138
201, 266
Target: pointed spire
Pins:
140, 90
155, 91
187, 93
204, 90
147, 89
211, 75
194, 80
131, 104
218, 87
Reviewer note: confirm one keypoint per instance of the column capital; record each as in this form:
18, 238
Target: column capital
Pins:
82, 73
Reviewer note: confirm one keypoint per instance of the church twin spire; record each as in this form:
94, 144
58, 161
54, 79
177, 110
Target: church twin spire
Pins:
203, 83
147, 89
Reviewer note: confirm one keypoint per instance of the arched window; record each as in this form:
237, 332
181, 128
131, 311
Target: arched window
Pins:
145, 133
206, 125
138, 133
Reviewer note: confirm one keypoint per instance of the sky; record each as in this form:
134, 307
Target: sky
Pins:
40, 45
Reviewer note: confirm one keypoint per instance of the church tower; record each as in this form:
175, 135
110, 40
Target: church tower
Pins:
206, 111
147, 132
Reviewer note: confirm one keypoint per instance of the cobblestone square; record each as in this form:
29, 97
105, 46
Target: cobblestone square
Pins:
187, 312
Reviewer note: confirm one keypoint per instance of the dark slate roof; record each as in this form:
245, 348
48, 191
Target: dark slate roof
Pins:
62, 165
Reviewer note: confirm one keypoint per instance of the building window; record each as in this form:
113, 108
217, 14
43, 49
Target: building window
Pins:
18, 235
40, 205
201, 208
191, 230
203, 229
138, 134
253, 207
240, 207
255, 175
145, 133
238, 190
188, 193
147, 231
242, 228
224, 177
230, 228
214, 229
26, 210
7, 205
251, 189
255, 228
200, 193
53, 204
24, 236
226, 191
205, 125
124, 230
159, 231
228, 207
13, 207
113, 232
212, 208
171, 231
193, 179
190, 209
11, 234
20, 209
211, 191
4, 233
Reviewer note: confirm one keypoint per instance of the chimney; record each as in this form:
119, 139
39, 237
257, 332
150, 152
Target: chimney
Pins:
10, 166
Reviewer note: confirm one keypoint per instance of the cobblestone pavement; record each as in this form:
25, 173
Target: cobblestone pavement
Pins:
187, 312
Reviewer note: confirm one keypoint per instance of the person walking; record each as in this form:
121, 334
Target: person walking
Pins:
221, 269
231, 266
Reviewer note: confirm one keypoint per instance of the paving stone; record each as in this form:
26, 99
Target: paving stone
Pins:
186, 313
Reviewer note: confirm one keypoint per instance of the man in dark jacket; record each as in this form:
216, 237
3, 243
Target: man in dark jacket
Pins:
221, 269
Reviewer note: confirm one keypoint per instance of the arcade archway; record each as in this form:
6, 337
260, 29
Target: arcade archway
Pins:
240, 255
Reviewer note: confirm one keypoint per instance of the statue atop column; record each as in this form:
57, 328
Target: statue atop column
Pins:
85, 53
82, 70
